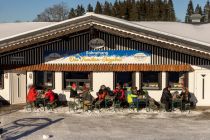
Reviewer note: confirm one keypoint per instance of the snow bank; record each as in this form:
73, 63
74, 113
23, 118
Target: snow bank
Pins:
119, 113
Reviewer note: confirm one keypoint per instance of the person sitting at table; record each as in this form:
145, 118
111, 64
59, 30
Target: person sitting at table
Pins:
32, 95
75, 96
185, 95
49, 96
143, 94
87, 97
166, 98
119, 94
101, 94
73, 91
132, 96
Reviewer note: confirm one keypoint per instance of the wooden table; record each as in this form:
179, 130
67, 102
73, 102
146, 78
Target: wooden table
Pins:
178, 102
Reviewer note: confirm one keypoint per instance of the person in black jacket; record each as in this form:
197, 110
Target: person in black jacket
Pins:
185, 95
167, 98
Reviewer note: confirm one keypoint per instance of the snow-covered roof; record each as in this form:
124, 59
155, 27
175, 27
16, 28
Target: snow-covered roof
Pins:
11, 29
197, 34
189, 31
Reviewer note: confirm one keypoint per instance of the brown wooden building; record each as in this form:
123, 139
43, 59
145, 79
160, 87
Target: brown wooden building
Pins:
102, 50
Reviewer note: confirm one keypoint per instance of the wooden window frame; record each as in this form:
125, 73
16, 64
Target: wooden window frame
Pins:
90, 80
150, 88
53, 82
186, 80
133, 79
2, 79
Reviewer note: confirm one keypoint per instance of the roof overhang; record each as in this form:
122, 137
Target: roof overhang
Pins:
108, 24
99, 67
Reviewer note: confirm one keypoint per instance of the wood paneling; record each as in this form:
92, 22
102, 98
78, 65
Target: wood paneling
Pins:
34, 54
100, 67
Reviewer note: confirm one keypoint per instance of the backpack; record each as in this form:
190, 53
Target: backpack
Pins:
193, 99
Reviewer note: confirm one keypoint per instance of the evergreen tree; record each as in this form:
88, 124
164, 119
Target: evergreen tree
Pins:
98, 9
128, 7
107, 8
72, 13
166, 11
149, 10
207, 11
122, 6
157, 10
134, 14
89, 8
116, 9
197, 9
80, 10
140, 8
171, 14
190, 11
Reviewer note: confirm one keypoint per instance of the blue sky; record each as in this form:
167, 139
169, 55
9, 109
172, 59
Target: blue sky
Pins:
26, 10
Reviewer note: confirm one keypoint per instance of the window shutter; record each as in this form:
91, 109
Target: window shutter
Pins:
133, 79
186, 79
140, 80
114, 80
160, 80
167, 80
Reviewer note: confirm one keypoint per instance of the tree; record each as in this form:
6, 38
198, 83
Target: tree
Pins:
80, 10
116, 9
190, 11
89, 8
198, 10
134, 15
128, 7
171, 14
98, 9
72, 13
107, 8
207, 11
58, 12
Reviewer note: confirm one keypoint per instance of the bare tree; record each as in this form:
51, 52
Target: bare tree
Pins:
58, 12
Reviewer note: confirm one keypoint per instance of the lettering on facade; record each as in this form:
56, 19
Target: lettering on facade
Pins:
97, 43
17, 59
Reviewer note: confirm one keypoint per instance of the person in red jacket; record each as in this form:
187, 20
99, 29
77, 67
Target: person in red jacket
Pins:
49, 95
32, 95
119, 93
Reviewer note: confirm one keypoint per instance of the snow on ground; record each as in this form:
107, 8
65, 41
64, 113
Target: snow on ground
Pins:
144, 114
62, 124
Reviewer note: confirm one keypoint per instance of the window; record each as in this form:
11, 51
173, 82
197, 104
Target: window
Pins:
151, 80
44, 79
80, 78
124, 78
177, 79
1, 79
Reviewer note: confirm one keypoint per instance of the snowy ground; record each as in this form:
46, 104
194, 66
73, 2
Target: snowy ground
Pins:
105, 125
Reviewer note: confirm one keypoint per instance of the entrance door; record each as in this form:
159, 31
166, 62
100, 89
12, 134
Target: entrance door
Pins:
125, 77
202, 88
18, 87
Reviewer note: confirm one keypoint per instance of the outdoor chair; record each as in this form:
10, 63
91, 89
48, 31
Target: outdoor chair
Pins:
117, 104
30, 105
134, 104
51, 105
89, 106
144, 103
162, 107
152, 106
108, 102
98, 104
186, 107
72, 104
177, 104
